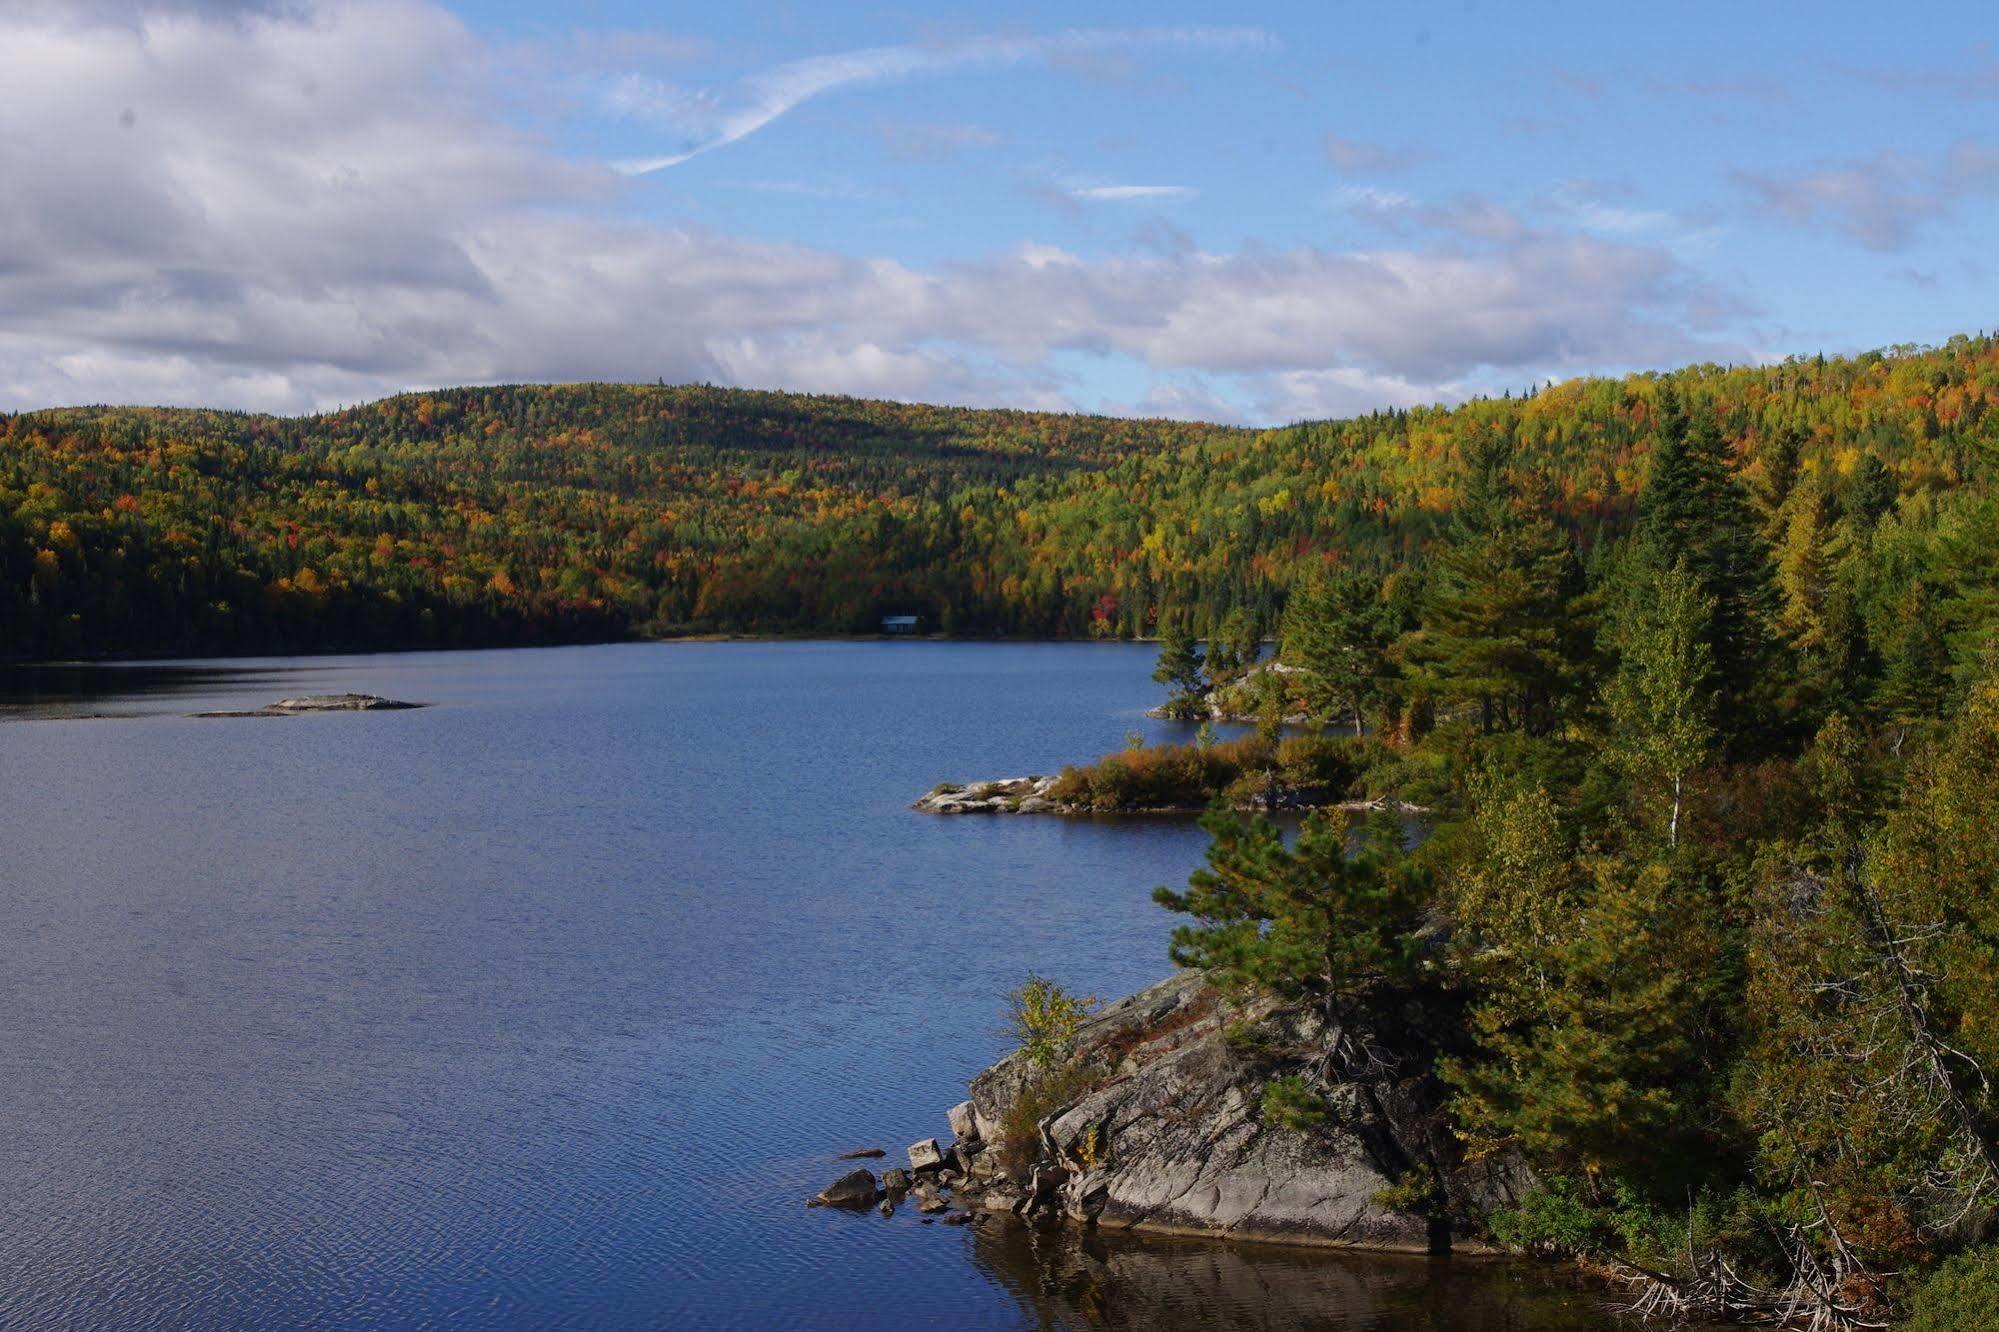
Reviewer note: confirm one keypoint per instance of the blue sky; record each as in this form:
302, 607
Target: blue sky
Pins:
1256, 212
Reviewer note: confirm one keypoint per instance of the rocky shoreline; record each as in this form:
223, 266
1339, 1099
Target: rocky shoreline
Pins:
1154, 1122
304, 703
1035, 795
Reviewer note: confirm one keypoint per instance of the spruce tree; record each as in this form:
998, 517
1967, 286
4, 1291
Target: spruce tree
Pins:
1506, 626
1696, 513
1180, 669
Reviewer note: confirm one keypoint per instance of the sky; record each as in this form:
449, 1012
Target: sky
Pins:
1258, 212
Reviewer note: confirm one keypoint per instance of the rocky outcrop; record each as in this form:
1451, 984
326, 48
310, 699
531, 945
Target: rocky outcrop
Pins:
1006, 795
1235, 701
1156, 1123
1034, 795
304, 703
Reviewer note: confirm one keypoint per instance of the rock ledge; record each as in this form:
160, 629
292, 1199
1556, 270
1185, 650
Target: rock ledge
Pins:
304, 703
1154, 1122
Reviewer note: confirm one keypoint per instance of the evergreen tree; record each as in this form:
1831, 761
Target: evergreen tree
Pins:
1593, 981
1181, 670
1337, 631
1695, 512
1870, 493
1506, 626
1916, 674
1315, 921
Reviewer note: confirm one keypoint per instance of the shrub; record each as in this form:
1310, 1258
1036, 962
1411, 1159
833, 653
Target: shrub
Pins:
1552, 1221
1962, 1293
1317, 760
1043, 1017
1289, 1102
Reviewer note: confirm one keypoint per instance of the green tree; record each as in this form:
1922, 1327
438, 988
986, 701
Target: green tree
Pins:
1695, 512
1658, 704
1590, 1039
1506, 625
1182, 671
1314, 921
1235, 645
1337, 632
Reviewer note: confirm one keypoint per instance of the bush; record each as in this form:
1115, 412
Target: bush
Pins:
1552, 1222
1191, 776
1049, 1090
1962, 1293
1289, 1102
1318, 760
1043, 1017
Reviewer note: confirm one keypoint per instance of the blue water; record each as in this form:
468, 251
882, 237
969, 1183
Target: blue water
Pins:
549, 1004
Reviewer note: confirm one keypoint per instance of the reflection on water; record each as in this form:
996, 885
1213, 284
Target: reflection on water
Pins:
89, 689
1070, 1279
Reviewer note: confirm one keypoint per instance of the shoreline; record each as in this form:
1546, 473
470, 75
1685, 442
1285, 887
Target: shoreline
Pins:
403, 650
1033, 795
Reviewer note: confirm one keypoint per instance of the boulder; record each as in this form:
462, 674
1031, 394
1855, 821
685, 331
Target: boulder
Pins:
856, 1188
864, 1154
925, 1155
964, 1124
895, 1180
929, 1202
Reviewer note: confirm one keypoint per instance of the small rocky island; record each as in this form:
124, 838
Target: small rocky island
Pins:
304, 703
1259, 773
1157, 1120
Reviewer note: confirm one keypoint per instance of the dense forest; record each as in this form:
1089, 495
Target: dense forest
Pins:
504, 515
1696, 672
1705, 715
530, 514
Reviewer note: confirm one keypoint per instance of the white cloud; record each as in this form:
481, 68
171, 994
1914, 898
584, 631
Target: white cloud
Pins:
710, 122
1583, 203
303, 209
1131, 193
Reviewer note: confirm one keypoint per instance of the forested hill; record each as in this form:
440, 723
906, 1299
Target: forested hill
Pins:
525, 514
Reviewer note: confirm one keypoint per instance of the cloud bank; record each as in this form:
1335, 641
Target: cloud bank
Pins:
289, 209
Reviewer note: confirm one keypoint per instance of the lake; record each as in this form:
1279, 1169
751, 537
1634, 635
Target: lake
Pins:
548, 1005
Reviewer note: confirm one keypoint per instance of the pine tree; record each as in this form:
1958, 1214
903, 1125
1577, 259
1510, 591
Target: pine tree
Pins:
1870, 493
1180, 669
1916, 674
1316, 921
1337, 631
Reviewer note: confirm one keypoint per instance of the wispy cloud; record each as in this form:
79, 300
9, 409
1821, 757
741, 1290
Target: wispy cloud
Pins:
710, 122
1357, 157
1583, 203
1880, 201
1131, 193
